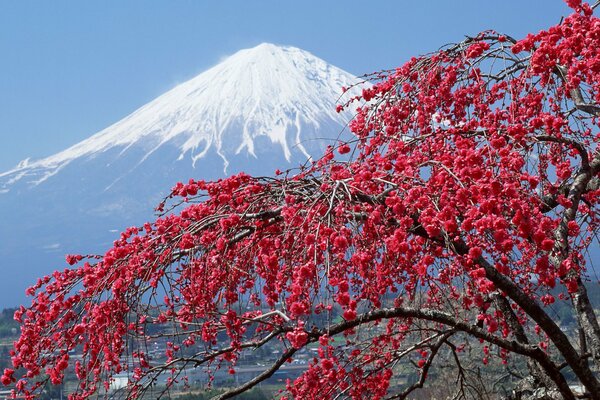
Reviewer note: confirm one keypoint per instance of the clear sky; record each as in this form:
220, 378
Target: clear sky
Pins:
70, 68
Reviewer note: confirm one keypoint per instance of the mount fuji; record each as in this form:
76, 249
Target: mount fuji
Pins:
260, 109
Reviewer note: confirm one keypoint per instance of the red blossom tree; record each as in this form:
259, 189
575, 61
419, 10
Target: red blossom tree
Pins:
468, 205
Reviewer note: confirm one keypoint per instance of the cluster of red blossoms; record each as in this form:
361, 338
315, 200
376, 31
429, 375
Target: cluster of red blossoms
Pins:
473, 177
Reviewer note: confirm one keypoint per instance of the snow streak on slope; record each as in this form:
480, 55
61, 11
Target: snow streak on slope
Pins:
271, 91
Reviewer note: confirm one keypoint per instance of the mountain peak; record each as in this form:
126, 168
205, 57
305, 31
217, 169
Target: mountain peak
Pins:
267, 47
269, 91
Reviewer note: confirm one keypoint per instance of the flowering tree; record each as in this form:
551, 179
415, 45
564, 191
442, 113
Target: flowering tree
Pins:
468, 206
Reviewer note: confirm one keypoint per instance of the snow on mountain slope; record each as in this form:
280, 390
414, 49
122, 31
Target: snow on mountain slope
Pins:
260, 109
276, 92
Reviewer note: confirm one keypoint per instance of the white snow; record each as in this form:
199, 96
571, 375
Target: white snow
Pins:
268, 90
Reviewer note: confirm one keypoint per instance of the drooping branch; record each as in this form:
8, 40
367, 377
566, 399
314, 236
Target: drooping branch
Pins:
425, 369
436, 316
260, 378
556, 335
576, 94
537, 314
586, 315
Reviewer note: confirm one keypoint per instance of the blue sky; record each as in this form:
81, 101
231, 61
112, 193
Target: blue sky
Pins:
71, 68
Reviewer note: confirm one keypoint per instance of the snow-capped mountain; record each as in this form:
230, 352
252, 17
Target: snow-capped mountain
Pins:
260, 109
283, 94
